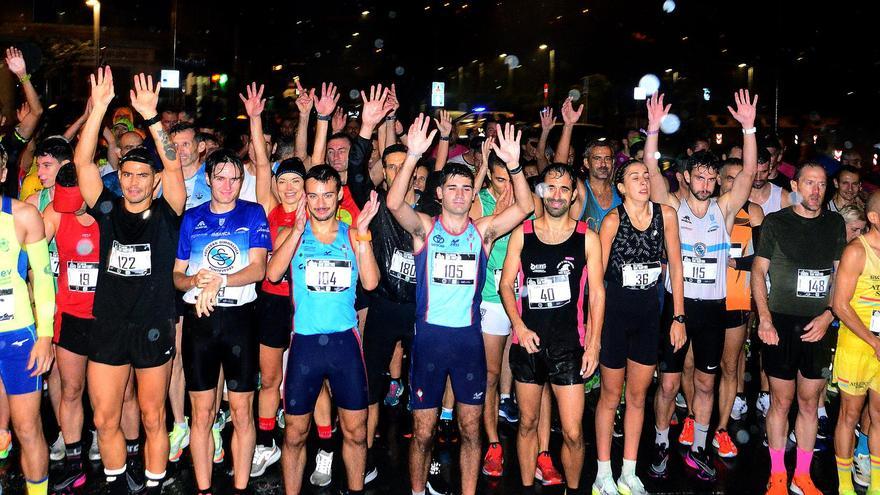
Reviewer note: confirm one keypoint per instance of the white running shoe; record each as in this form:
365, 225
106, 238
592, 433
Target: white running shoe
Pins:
861, 468
57, 451
762, 405
740, 408
263, 458
680, 401
94, 452
605, 486
323, 464
631, 485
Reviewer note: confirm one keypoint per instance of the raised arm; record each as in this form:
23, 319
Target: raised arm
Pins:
74, 128
301, 143
444, 125
547, 123
507, 149
144, 98
87, 174
368, 269
29, 120
282, 252
253, 105
659, 186
745, 112
417, 224
569, 117
324, 106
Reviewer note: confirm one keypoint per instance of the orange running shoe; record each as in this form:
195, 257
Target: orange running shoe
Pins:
546, 472
493, 463
777, 484
687, 431
724, 444
802, 484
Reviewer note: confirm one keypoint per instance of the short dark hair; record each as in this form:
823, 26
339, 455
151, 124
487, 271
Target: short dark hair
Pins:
849, 169
181, 127
223, 155
559, 169
597, 143
702, 159
284, 147
341, 135
808, 164
455, 169
66, 175
204, 137
394, 148
763, 155
55, 146
324, 173
140, 154
620, 171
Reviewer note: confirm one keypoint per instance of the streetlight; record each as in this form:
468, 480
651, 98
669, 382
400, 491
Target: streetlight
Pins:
96, 27
542, 46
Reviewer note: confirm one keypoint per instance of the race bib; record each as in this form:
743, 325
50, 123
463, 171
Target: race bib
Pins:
130, 260
813, 283
7, 304
454, 269
736, 250
497, 276
54, 262
875, 322
82, 276
328, 275
699, 270
640, 275
548, 292
229, 296
403, 266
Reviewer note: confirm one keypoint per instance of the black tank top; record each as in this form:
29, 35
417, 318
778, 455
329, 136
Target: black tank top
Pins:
554, 276
634, 262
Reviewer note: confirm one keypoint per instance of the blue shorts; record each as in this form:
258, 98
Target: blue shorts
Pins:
334, 356
441, 351
15, 350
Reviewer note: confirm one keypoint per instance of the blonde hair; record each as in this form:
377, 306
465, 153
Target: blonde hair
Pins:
852, 213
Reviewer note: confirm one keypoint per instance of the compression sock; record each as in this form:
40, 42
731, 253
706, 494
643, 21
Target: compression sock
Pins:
505, 396
133, 447
804, 459
264, 431
446, 414
700, 434
875, 473
153, 479
603, 469
325, 438
844, 474
777, 461
629, 467
40, 487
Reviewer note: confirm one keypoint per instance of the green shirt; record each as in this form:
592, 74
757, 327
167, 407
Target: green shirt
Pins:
496, 256
802, 252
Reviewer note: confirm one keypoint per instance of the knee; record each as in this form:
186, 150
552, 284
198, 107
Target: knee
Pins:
29, 430
669, 386
849, 415
71, 391
242, 414
295, 436
780, 403
270, 379
105, 421
422, 437
469, 424
634, 400
202, 417
153, 418
573, 437
729, 369
705, 383
492, 379
528, 424
355, 434
609, 398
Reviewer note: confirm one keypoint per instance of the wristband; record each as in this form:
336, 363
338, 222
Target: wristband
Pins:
414, 155
830, 310
516, 170
25, 78
152, 120
652, 133
364, 237
750, 130
444, 138
223, 281
390, 118
325, 118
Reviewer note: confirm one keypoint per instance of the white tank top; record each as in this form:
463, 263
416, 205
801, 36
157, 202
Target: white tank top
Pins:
705, 245
774, 201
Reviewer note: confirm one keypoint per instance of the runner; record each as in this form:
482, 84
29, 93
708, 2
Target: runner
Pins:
704, 225
447, 340
220, 257
856, 364
634, 237
325, 258
799, 249
134, 298
766, 194
847, 186
743, 237
558, 259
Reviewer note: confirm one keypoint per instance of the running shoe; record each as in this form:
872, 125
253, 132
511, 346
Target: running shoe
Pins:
219, 453
493, 462
861, 468
263, 458
72, 477
823, 427
134, 478
701, 461
687, 432
724, 444
777, 485
617, 430
593, 383
762, 404
437, 484
659, 464
447, 431
508, 410
740, 408
605, 486
802, 484
792, 442
630, 485
680, 401
178, 440
57, 451
371, 472
395, 390
279, 419
94, 451
5, 443
546, 472
323, 464
223, 418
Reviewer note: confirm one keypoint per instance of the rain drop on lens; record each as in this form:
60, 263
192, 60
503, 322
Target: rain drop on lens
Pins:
574, 95
379, 43
153, 334
742, 437
106, 207
323, 340
399, 70
353, 94
649, 83
670, 124
668, 6
85, 247
541, 189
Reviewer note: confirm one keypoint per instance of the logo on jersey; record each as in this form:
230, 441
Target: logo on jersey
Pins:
538, 267
564, 267
201, 225
438, 239
221, 255
686, 219
454, 243
700, 249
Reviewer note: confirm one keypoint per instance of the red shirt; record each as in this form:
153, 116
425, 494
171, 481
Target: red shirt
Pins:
278, 221
78, 254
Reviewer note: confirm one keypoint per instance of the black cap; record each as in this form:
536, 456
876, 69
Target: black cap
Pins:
291, 166
139, 154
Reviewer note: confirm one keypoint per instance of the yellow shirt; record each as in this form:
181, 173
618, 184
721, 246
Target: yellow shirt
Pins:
865, 301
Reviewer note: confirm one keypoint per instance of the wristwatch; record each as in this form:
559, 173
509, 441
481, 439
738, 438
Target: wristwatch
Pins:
679, 318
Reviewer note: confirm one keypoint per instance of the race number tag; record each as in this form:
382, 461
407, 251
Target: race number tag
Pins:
130, 260
328, 275
82, 276
640, 275
454, 269
229, 296
736, 250
548, 292
7, 304
403, 266
813, 283
875, 322
497, 275
54, 262
699, 270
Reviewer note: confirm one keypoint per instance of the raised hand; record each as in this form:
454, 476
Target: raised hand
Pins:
547, 119
299, 223
485, 149
23, 111
417, 139
254, 103
367, 213
15, 62
304, 101
145, 96
444, 123
374, 106
569, 114
508, 148
391, 102
326, 103
656, 111
337, 123
102, 87
746, 109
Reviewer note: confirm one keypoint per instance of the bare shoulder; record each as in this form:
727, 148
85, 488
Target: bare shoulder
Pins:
668, 212
756, 214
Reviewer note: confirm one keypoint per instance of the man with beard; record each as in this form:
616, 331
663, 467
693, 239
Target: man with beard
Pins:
847, 185
799, 248
766, 194
704, 226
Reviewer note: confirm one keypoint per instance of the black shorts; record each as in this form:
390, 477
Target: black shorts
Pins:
225, 338
74, 334
736, 318
141, 345
705, 328
558, 366
274, 321
631, 328
793, 355
361, 298
387, 324
179, 305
